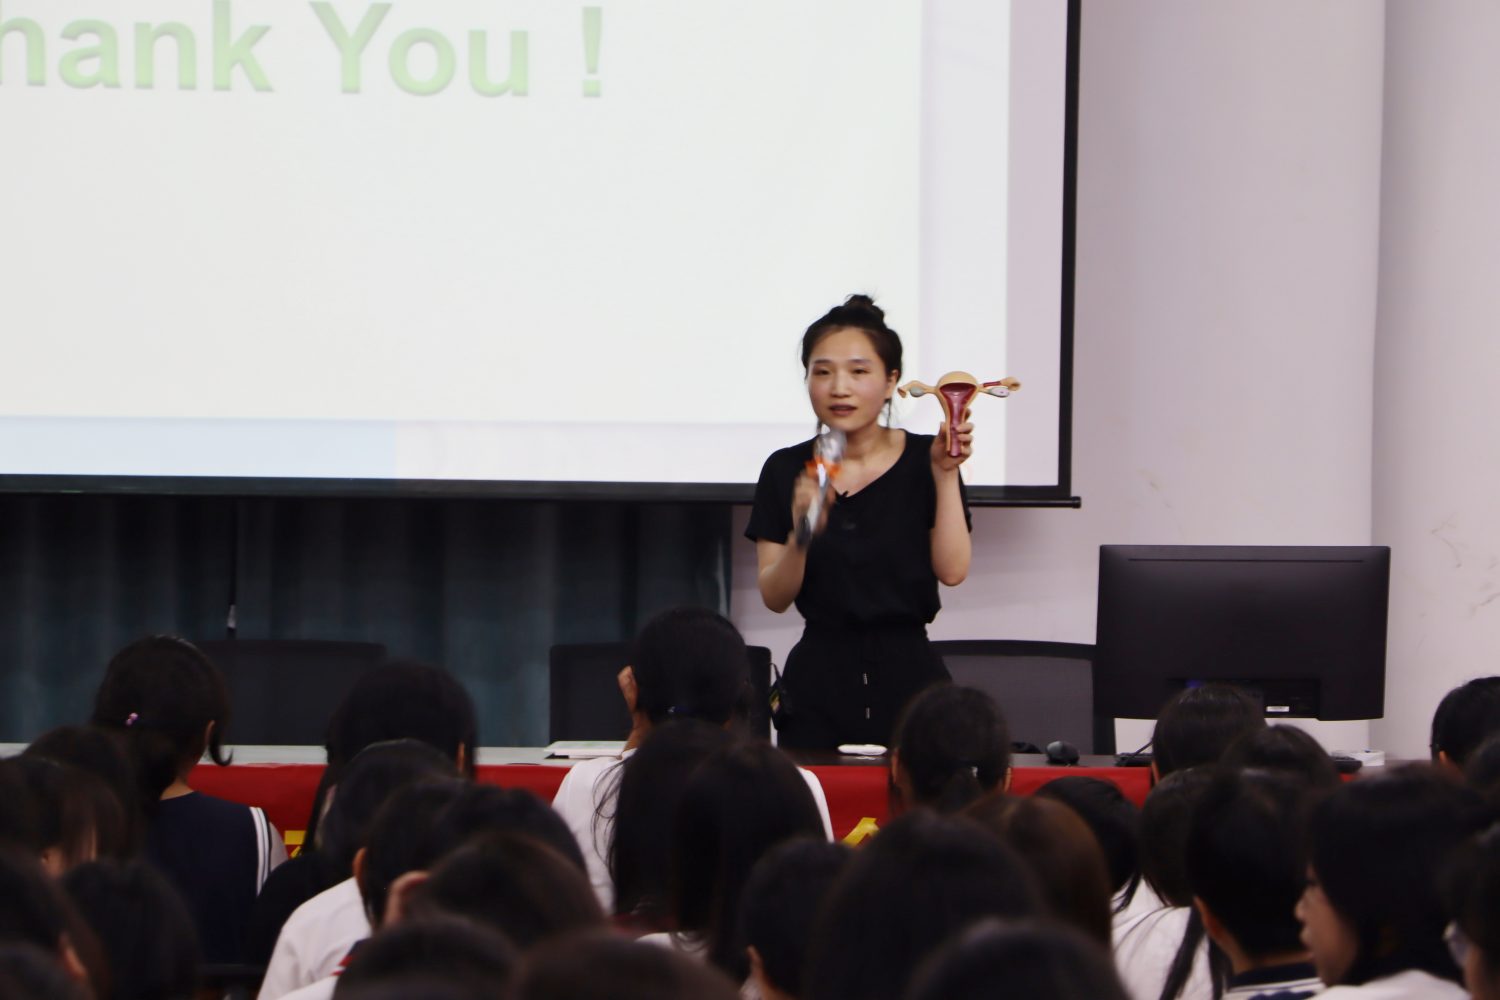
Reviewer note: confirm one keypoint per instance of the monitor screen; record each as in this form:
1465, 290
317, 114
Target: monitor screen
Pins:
1303, 628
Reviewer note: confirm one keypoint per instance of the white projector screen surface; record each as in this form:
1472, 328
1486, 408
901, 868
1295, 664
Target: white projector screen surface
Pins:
514, 242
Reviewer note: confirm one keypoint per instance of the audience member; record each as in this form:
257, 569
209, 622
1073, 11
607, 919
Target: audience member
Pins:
1473, 887
1060, 851
1482, 771
600, 966
1000, 960
309, 943
1465, 717
1115, 823
169, 705
1164, 953
783, 895
1372, 913
143, 926
918, 883
95, 751
28, 972
1285, 749
952, 747
425, 956
739, 803
68, 807
686, 663
35, 911
1199, 723
488, 809
1246, 869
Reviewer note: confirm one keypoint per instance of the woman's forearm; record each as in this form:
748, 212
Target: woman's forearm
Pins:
951, 545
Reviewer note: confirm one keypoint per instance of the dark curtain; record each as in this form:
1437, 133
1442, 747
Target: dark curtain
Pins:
482, 587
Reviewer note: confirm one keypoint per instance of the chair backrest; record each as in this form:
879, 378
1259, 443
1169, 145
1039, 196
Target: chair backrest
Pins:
585, 697
283, 691
1045, 689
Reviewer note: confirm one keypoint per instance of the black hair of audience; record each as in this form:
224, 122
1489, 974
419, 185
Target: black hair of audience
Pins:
1115, 822
1285, 749
999, 960
1482, 770
168, 703
1472, 884
689, 662
399, 840
739, 803
908, 891
1378, 848
148, 937
1465, 717
28, 972
482, 809
651, 784
34, 910
423, 954
952, 746
97, 752
518, 884
73, 812
1166, 826
601, 966
781, 899
399, 699
1199, 723
1245, 858
1059, 849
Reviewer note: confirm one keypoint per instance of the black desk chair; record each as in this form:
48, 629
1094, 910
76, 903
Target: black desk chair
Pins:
1045, 689
283, 691
586, 702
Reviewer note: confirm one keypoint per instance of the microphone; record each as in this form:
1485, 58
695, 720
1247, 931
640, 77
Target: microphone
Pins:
828, 452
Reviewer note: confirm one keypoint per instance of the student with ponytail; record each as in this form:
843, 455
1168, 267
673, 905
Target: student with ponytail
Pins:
952, 748
168, 705
862, 560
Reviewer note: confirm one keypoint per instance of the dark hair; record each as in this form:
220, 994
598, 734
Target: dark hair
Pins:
909, 890
651, 782
1464, 717
1198, 724
488, 809
32, 907
858, 312
782, 896
159, 694
1472, 885
739, 803
1482, 769
689, 662
375, 773
68, 808
399, 837
953, 746
148, 937
517, 884
1244, 858
1377, 848
1114, 821
27, 972
1060, 850
1019, 959
433, 949
1285, 749
97, 753
1166, 824
599, 966
399, 699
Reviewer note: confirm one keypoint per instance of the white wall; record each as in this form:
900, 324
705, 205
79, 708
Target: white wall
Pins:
1228, 220
1437, 481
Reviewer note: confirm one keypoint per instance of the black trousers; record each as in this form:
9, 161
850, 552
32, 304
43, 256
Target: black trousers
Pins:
848, 684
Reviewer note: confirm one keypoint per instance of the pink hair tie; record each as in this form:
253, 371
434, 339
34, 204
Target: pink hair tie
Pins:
130, 719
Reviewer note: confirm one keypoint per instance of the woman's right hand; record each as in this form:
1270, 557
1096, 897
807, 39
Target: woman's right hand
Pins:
803, 493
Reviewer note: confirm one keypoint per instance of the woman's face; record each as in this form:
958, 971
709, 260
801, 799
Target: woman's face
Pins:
1325, 932
846, 380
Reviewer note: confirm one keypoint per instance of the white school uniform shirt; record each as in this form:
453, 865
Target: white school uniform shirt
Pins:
1145, 947
315, 939
1412, 984
586, 802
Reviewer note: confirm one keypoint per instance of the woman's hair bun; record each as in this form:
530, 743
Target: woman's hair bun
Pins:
865, 304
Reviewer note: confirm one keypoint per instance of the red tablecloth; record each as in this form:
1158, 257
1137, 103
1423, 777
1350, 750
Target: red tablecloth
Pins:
285, 791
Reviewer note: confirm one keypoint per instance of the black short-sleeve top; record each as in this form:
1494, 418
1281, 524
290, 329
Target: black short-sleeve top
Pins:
872, 565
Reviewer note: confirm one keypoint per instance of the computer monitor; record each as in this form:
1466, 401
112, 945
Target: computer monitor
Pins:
1303, 628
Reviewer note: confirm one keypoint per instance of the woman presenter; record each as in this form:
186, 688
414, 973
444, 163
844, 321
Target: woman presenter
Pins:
863, 561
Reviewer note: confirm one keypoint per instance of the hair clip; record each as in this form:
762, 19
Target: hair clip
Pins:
131, 719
